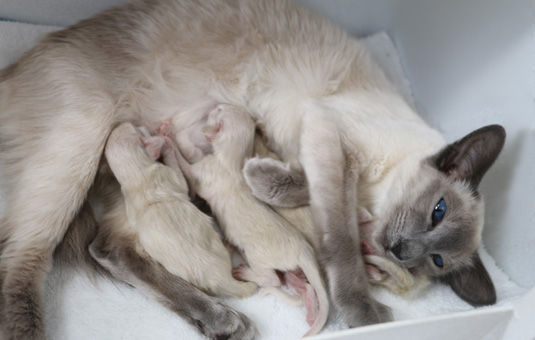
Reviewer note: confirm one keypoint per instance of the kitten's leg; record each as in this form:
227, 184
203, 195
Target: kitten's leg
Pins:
332, 180
49, 173
276, 183
268, 279
213, 318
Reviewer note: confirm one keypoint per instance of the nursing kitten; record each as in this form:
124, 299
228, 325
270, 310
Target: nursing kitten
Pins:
318, 96
131, 251
167, 226
269, 244
130, 264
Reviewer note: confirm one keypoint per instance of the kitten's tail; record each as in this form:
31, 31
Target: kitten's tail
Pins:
73, 250
310, 268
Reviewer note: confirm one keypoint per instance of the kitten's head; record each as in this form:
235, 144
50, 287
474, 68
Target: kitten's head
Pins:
435, 221
230, 129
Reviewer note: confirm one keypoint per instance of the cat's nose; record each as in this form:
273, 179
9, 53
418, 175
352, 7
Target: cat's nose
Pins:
396, 250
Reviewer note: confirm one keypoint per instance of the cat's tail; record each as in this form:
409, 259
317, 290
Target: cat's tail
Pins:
73, 250
316, 314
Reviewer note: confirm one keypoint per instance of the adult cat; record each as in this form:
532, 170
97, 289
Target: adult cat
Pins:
315, 92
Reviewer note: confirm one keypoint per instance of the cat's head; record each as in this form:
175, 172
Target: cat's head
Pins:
434, 221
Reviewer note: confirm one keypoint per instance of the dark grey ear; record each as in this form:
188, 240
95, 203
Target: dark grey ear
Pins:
470, 157
472, 284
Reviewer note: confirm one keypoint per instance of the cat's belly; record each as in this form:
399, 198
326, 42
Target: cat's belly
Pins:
281, 127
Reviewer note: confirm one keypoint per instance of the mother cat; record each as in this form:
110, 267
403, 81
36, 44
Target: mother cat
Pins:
315, 93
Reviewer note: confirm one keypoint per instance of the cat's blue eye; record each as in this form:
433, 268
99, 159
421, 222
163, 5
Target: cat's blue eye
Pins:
437, 260
439, 212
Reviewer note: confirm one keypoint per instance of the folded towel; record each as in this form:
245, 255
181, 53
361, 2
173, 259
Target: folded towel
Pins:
79, 308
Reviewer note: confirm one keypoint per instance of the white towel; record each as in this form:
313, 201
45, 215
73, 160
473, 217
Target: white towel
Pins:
77, 308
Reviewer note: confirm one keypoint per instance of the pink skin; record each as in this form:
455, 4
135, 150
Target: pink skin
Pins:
238, 272
366, 228
153, 144
296, 280
293, 279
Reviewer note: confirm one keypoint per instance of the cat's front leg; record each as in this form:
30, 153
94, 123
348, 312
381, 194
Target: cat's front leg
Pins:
332, 176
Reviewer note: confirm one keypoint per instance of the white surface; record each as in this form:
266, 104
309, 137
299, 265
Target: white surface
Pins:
76, 308
522, 324
52, 12
489, 324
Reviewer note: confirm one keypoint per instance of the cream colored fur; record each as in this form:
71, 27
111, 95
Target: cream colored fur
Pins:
267, 241
166, 224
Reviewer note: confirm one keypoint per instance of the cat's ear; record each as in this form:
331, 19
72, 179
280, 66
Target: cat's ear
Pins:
470, 157
472, 283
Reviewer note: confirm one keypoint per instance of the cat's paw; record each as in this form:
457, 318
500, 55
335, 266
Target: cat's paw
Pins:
381, 270
362, 311
276, 182
222, 322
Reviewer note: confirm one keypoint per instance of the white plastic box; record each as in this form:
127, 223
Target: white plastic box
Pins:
470, 63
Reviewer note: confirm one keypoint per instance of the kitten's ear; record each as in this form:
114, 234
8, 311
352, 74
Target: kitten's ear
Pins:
472, 284
211, 131
470, 157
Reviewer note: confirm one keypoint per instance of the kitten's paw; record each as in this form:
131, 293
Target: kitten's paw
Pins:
165, 128
222, 322
362, 311
241, 272
276, 183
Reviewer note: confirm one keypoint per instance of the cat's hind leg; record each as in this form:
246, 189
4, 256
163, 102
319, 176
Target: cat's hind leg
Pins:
53, 130
45, 195
207, 313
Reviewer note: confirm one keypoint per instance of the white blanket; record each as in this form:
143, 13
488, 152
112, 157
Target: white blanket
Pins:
78, 308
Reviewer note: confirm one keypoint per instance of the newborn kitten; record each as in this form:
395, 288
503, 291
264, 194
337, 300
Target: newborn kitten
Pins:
168, 226
267, 241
